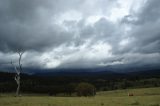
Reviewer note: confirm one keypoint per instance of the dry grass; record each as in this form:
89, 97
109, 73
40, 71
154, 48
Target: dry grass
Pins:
143, 97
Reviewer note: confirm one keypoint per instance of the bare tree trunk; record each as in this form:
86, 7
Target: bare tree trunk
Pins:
17, 79
18, 72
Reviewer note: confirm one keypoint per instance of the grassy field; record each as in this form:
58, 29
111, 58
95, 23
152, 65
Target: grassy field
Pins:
142, 97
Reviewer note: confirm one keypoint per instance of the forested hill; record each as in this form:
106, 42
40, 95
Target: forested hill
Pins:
65, 82
107, 75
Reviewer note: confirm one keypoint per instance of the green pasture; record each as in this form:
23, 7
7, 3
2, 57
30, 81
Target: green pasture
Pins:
142, 97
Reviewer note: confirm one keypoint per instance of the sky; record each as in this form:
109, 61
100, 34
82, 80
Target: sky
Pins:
80, 33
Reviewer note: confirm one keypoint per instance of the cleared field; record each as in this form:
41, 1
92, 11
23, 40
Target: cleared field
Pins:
142, 97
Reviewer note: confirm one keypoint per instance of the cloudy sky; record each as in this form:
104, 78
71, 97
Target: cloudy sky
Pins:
80, 33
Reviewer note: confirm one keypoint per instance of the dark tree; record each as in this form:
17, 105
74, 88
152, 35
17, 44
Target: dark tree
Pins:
85, 89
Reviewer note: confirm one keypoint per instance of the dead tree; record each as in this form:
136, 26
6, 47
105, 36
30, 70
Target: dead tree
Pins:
18, 70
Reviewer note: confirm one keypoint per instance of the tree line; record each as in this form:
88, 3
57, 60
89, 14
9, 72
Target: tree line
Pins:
71, 85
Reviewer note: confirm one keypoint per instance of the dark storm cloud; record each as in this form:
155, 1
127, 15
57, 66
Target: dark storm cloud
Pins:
27, 25
148, 28
57, 33
30, 24
145, 25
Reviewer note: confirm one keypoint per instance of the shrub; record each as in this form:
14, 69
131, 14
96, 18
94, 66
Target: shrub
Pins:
85, 89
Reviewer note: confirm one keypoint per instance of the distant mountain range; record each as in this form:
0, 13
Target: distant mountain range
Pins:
85, 74
146, 73
122, 70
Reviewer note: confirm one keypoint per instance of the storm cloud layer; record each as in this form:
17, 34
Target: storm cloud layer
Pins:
80, 33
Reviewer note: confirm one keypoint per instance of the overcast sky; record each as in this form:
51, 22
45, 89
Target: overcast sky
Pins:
80, 33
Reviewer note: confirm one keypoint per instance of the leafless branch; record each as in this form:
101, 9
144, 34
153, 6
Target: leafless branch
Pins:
18, 71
